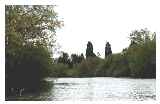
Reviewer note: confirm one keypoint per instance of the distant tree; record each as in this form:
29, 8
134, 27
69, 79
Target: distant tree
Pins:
64, 58
76, 58
108, 50
89, 50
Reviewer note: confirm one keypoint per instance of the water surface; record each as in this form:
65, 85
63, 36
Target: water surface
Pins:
101, 88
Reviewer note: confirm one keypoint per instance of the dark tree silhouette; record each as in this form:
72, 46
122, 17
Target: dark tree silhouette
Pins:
108, 50
76, 58
64, 58
89, 50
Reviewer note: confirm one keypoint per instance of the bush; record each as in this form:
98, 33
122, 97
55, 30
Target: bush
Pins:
89, 67
26, 68
59, 70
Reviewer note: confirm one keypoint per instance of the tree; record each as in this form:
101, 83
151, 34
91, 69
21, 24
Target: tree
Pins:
140, 36
108, 50
142, 54
31, 24
89, 50
64, 58
89, 67
30, 34
76, 59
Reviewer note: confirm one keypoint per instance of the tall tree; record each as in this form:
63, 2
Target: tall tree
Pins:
30, 33
108, 50
89, 50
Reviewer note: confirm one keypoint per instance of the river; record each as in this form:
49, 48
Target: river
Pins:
99, 88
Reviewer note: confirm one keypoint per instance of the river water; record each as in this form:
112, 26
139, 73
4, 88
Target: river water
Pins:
99, 88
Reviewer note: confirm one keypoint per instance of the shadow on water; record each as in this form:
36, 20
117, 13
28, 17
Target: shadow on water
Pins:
41, 93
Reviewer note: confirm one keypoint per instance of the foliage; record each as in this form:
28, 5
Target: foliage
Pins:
27, 67
89, 50
76, 58
108, 50
138, 60
89, 67
30, 34
31, 24
142, 54
64, 58
59, 70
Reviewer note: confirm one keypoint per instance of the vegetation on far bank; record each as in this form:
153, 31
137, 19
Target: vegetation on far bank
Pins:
137, 61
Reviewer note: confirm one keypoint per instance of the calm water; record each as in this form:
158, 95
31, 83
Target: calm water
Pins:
104, 88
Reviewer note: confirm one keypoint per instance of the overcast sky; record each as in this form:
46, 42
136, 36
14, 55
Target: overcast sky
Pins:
99, 21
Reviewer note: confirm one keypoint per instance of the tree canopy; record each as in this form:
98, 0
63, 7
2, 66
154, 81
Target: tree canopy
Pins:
34, 24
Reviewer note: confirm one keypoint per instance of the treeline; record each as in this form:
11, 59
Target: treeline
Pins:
138, 60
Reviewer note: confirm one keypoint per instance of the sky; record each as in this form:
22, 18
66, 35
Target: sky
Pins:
99, 21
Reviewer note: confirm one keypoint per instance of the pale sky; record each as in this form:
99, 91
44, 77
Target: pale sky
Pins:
99, 21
